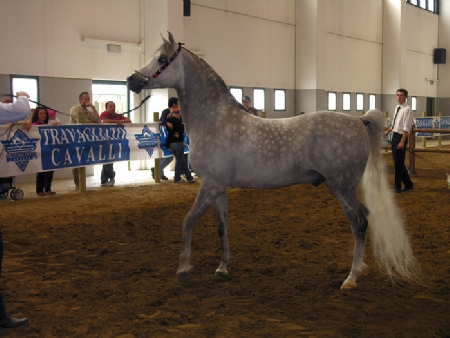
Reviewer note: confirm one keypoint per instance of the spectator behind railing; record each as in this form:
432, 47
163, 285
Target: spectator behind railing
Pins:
108, 175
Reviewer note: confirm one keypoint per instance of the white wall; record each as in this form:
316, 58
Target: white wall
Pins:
43, 37
370, 46
353, 46
391, 61
419, 37
339, 45
443, 71
249, 43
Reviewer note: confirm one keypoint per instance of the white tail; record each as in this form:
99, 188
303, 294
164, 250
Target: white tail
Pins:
391, 244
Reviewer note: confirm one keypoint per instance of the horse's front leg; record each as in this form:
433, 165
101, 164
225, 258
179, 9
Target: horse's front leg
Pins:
204, 200
221, 208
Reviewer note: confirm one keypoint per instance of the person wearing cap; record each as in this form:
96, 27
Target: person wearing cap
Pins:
52, 119
165, 161
246, 103
175, 143
12, 112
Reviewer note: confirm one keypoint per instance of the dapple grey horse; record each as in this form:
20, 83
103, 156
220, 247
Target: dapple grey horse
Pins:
231, 148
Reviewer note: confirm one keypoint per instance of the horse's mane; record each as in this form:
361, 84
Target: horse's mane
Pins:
221, 83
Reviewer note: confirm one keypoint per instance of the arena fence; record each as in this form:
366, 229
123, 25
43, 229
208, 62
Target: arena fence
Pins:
414, 152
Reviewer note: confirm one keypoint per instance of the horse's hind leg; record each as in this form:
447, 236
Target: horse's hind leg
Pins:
356, 213
358, 223
221, 208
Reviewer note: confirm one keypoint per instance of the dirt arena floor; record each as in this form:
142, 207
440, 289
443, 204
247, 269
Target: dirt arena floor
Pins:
102, 264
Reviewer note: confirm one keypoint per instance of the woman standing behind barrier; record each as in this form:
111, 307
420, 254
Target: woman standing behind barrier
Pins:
43, 179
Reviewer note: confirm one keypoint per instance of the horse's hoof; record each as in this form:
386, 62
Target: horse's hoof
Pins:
221, 273
348, 285
184, 273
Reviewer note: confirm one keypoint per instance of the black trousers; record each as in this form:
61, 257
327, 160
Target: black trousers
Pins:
44, 181
401, 172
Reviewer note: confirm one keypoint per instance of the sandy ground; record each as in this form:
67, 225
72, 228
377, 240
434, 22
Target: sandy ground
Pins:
102, 264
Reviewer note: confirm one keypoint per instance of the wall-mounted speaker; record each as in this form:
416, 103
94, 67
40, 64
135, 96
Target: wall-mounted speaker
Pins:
440, 55
186, 7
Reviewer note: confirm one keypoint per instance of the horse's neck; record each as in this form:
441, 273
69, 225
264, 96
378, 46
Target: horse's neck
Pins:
202, 92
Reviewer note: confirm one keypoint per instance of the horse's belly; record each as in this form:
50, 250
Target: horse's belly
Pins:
266, 179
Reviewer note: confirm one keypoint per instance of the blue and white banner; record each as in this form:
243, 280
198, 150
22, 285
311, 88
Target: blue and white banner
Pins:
444, 123
69, 146
426, 123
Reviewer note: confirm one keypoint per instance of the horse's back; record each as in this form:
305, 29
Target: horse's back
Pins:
258, 153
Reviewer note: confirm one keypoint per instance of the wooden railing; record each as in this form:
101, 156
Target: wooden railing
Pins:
436, 173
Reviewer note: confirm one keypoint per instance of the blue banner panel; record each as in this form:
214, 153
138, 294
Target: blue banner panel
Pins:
74, 146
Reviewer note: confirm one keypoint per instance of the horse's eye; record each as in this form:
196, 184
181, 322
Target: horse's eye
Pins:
162, 59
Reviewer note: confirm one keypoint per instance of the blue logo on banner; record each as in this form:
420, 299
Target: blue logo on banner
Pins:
147, 140
20, 149
74, 146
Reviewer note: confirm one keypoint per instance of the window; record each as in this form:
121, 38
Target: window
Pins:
429, 5
346, 101
237, 93
331, 101
104, 91
26, 84
359, 102
260, 99
372, 101
414, 103
280, 99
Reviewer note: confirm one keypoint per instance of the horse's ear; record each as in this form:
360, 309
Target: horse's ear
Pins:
172, 40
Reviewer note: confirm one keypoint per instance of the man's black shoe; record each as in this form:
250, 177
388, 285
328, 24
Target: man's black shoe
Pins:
398, 191
164, 178
11, 323
405, 189
153, 172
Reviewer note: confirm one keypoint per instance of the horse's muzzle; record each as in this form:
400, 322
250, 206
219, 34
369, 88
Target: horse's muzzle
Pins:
134, 83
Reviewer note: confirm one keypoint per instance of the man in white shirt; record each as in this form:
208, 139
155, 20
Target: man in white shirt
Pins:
401, 126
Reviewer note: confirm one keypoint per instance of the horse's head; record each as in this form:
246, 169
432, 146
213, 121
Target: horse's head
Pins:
165, 61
